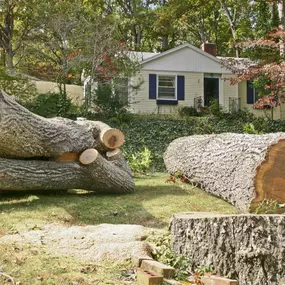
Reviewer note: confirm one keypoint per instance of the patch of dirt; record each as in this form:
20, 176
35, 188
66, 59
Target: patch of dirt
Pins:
86, 243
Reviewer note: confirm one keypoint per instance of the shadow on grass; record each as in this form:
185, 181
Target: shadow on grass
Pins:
151, 205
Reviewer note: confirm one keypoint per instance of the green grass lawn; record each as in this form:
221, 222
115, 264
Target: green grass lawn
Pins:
152, 204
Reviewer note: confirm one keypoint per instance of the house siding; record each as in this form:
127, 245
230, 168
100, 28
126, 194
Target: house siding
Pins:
140, 102
186, 60
194, 87
229, 91
278, 112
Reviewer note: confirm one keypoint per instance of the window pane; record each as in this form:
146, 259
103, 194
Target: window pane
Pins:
166, 81
166, 92
166, 87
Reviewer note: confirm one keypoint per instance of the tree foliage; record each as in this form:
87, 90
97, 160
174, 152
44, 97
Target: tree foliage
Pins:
57, 40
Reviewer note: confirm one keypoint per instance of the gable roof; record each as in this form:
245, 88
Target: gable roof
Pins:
173, 50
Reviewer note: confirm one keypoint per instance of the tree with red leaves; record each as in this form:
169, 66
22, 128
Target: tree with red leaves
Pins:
266, 69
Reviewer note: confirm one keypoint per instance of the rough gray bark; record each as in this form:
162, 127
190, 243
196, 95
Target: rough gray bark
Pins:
24, 134
25, 139
117, 158
99, 176
249, 248
224, 165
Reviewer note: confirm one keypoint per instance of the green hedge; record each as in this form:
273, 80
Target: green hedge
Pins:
156, 133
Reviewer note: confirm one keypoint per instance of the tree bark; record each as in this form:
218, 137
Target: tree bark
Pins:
242, 169
117, 158
99, 175
43, 154
24, 134
249, 248
231, 24
281, 15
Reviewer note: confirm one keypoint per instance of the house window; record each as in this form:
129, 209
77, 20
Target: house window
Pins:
252, 93
166, 87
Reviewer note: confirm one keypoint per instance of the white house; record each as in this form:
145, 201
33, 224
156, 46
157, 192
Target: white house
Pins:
187, 76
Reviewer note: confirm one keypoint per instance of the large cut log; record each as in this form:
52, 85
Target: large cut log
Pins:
249, 248
242, 169
24, 134
59, 154
96, 174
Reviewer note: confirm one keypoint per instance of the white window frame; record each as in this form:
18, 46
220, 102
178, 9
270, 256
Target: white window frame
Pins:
157, 87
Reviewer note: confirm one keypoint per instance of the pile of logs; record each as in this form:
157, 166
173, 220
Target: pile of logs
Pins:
59, 154
243, 169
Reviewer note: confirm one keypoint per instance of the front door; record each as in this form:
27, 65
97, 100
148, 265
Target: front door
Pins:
211, 90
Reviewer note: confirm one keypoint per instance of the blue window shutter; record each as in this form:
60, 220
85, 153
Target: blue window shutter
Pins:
250, 93
180, 87
152, 86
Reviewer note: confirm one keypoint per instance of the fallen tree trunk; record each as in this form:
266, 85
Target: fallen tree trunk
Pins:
96, 174
24, 134
242, 169
59, 154
249, 248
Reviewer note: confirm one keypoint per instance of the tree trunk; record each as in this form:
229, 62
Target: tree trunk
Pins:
98, 175
24, 134
67, 148
249, 248
281, 15
231, 24
242, 169
164, 43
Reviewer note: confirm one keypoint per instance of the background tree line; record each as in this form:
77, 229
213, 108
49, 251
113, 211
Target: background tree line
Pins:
56, 40
53, 38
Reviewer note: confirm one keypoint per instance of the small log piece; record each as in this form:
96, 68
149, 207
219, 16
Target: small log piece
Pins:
242, 169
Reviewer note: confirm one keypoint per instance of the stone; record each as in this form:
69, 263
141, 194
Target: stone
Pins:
146, 277
160, 268
137, 259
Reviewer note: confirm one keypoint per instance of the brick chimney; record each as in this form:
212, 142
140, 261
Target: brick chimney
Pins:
209, 48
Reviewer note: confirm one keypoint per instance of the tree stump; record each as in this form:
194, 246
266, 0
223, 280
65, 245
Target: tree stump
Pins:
242, 169
44, 154
248, 248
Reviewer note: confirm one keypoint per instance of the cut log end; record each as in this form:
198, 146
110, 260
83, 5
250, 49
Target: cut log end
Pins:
112, 138
270, 177
113, 154
88, 156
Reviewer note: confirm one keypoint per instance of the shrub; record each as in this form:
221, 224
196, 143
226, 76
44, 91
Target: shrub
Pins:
139, 161
162, 252
249, 128
18, 85
188, 111
51, 105
108, 99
